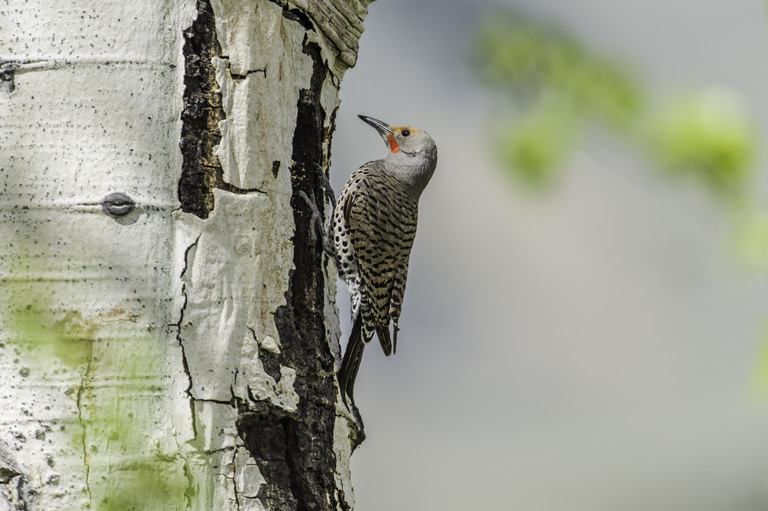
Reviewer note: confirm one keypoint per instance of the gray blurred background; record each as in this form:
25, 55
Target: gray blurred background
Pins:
591, 347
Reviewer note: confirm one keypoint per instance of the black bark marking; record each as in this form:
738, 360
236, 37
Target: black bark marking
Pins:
271, 364
201, 170
331, 128
270, 361
275, 167
299, 17
118, 204
201, 114
8, 75
263, 431
238, 77
15, 482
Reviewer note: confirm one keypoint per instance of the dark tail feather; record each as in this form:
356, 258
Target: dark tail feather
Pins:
385, 340
394, 339
350, 364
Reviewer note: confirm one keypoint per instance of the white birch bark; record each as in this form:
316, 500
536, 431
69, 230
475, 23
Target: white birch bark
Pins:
140, 354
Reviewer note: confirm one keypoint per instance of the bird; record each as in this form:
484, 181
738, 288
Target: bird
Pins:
373, 228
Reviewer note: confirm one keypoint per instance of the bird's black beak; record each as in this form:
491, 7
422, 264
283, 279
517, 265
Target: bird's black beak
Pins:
381, 126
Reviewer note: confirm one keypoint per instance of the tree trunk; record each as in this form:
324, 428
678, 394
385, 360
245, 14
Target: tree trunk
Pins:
169, 334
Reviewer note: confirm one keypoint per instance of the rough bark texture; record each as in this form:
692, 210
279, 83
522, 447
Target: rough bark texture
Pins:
168, 331
201, 170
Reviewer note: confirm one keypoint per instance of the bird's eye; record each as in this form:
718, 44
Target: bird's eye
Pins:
406, 133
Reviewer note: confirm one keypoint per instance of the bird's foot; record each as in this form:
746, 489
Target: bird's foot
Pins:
327, 188
316, 220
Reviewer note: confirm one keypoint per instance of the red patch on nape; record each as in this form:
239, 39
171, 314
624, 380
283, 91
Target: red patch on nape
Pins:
393, 144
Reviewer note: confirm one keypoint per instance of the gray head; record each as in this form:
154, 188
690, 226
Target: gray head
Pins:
412, 153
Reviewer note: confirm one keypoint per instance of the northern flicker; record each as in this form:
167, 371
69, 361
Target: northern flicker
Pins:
374, 224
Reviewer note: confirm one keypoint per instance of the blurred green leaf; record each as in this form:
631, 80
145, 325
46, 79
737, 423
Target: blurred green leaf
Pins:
708, 134
534, 62
535, 147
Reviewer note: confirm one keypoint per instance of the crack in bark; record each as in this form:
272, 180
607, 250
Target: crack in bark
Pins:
189, 491
227, 187
298, 16
84, 426
217, 401
237, 494
184, 361
241, 77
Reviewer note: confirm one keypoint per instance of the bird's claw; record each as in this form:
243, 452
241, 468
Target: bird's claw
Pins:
327, 188
316, 220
